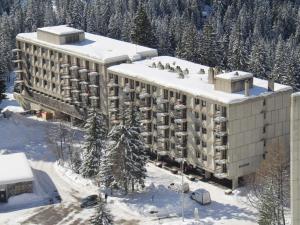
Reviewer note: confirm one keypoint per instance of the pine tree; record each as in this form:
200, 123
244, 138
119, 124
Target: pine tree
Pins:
279, 69
105, 174
209, 47
49, 19
188, 46
2, 90
142, 31
76, 14
238, 55
127, 151
103, 216
259, 62
95, 136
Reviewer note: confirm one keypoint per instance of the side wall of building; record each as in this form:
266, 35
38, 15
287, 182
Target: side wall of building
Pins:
254, 126
295, 159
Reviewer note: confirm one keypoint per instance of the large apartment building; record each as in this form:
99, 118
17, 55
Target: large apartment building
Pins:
221, 122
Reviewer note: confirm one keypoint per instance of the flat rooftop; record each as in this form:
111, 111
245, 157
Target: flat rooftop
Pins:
60, 30
93, 47
195, 82
14, 168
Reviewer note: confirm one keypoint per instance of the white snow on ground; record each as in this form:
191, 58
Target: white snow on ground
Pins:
27, 134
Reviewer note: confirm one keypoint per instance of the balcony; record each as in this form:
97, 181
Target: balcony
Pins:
144, 94
128, 89
220, 117
93, 77
83, 73
74, 72
179, 107
112, 83
220, 171
94, 101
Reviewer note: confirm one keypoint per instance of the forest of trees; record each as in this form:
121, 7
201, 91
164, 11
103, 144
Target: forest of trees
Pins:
261, 36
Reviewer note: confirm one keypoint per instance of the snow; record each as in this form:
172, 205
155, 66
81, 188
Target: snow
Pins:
60, 30
194, 83
235, 75
30, 135
14, 168
95, 47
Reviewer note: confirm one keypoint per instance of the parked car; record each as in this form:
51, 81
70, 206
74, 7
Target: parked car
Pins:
178, 188
57, 196
191, 177
201, 196
89, 201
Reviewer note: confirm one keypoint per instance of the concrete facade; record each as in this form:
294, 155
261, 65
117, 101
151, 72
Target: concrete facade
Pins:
295, 158
224, 139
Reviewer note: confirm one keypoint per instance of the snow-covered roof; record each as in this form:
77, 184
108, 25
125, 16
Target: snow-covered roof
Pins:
14, 168
194, 83
94, 47
235, 75
60, 30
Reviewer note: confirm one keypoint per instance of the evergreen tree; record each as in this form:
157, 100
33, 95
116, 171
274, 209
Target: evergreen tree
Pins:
142, 31
76, 14
209, 47
127, 152
105, 170
95, 136
259, 62
103, 216
2, 90
279, 68
188, 46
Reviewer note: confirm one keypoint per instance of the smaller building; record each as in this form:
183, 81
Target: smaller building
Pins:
16, 176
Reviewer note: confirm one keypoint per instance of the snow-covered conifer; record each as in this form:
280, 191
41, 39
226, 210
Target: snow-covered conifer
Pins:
102, 216
95, 137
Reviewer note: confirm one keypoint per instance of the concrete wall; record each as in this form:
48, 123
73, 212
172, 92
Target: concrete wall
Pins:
19, 188
253, 126
295, 158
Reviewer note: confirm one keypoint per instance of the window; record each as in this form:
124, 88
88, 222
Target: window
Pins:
198, 154
204, 145
204, 131
264, 129
53, 85
204, 157
197, 101
172, 145
203, 103
203, 116
165, 94
197, 115
172, 133
198, 141
171, 94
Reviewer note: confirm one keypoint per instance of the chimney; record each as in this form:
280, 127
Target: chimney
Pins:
247, 88
211, 75
270, 85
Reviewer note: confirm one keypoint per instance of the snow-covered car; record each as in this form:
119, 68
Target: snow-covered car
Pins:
174, 170
178, 187
191, 177
201, 196
89, 201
